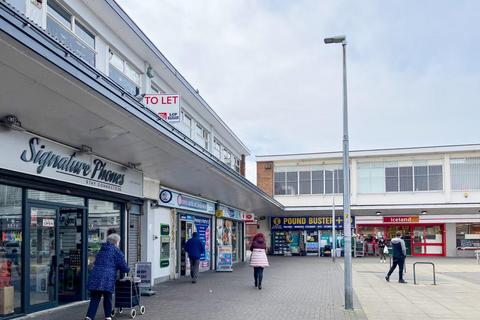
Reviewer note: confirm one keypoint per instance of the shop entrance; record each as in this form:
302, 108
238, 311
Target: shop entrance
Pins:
55, 250
420, 239
406, 235
186, 232
427, 240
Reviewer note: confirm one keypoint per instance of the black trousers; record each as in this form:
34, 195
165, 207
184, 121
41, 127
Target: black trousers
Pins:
258, 275
95, 297
400, 262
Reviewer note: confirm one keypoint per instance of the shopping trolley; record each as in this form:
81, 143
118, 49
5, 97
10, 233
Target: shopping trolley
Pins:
127, 296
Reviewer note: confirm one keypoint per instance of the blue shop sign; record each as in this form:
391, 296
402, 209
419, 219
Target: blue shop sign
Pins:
302, 223
170, 198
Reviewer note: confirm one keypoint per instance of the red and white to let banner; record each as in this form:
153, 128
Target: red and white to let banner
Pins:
166, 106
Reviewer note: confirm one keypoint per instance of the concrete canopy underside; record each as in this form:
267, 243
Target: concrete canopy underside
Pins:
51, 102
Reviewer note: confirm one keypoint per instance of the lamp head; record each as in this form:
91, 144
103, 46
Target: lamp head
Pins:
337, 39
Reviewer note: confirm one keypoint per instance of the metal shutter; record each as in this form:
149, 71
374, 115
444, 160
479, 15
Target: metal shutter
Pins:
134, 250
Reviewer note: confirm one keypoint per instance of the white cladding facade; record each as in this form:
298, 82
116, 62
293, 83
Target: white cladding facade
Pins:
439, 185
437, 177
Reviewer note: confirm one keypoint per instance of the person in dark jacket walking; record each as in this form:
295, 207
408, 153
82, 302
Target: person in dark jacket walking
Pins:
104, 273
399, 255
195, 248
258, 259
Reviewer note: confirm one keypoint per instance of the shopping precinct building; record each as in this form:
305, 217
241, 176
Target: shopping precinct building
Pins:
430, 194
82, 156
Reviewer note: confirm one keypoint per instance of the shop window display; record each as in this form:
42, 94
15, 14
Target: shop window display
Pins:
103, 219
10, 249
288, 243
468, 236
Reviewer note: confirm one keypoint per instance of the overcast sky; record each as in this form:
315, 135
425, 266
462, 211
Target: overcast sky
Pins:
413, 68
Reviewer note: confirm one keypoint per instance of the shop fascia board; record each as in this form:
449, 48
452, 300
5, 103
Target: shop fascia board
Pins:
35, 39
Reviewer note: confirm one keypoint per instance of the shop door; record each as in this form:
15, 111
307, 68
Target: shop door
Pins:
71, 255
42, 253
428, 240
406, 231
312, 243
186, 232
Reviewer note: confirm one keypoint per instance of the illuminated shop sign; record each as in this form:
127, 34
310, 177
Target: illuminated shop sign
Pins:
300, 223
37, 156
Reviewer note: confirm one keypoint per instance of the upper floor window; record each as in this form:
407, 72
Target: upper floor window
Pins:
187, 124
227, 157
67, 29
465, 173
236, 164
380, 177
306, 180
124, 74
201, 136
217, 149
280, 180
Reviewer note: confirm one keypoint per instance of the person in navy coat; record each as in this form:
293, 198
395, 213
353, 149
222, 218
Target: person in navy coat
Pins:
104, 273
195, 248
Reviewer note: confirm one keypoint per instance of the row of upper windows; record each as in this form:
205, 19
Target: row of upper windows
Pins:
202, 136
69, 30
381, 177
226, 156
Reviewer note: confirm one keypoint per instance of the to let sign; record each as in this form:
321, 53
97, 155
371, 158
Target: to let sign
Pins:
412, 219
166, 106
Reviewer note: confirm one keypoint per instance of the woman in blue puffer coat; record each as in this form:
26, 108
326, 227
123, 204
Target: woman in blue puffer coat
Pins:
104, 273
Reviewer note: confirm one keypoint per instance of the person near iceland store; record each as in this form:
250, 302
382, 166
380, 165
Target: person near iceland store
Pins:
399, 255
195, 248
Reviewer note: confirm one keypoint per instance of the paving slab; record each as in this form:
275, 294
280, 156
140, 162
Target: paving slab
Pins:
454, 296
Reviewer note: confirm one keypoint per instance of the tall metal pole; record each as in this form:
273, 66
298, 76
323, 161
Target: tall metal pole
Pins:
347, 230
334, 240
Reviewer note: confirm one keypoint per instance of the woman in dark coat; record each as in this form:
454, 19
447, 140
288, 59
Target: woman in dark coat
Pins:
104, 273
258, 259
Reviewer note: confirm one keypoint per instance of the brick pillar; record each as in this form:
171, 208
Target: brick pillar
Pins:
242, 165
265, 176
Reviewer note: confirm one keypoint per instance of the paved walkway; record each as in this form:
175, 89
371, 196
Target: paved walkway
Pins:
312, 288
454, 297
293, 288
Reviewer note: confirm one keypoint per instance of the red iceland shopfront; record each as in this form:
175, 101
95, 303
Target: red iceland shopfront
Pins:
421, 239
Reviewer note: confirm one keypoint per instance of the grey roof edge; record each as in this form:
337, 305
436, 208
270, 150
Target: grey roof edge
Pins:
372, 150
15, 25
134, 27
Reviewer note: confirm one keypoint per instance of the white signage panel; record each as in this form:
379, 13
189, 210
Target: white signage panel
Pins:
166, 106
31, 154
144, 272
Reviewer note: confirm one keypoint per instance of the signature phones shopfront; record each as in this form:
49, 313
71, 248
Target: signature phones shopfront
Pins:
52, 229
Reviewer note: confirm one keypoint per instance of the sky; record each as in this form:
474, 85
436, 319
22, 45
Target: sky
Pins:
412, 66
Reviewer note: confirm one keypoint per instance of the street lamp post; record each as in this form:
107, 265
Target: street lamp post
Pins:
347, 231
334, 240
